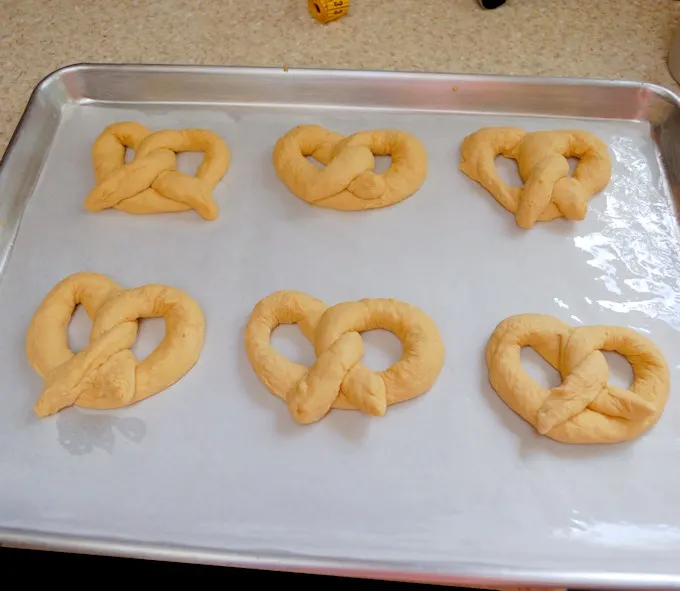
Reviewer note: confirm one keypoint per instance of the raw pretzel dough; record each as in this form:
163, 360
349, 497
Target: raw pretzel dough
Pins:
585, 408
548, 191
151, 183
338, 379
106, 374
348, 182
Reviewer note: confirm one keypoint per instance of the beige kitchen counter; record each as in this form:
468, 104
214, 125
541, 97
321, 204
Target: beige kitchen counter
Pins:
615, 39
618, 39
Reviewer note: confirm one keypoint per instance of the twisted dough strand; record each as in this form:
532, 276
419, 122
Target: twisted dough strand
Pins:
151, 183
548, 191
584, 408
106, 374
338, 379
348, 182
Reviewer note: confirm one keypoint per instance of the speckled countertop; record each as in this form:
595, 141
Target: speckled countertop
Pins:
591, 38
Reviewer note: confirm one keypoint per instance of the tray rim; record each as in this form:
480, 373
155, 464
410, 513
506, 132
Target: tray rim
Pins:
480, 575
449, 572
284, 70
340, 72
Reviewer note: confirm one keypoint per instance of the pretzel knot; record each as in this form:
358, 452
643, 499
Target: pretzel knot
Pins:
151, 183
584, 408
105, 374
348, 182
338, 379
548, 191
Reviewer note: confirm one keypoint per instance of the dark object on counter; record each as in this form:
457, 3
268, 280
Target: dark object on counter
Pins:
491, 3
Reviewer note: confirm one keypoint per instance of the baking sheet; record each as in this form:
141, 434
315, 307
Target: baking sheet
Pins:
451, 483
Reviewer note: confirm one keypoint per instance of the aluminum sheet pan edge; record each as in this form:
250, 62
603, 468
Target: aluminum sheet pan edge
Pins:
647, 187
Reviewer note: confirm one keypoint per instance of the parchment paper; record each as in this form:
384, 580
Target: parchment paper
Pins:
454, 476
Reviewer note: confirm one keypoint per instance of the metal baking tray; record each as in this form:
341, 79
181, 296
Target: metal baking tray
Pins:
451, 487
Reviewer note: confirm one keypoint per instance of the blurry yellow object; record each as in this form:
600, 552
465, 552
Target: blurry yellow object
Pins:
326, 11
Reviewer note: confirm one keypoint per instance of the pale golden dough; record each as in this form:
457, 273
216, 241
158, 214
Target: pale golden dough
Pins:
106, 374
151, 183
348, 182
548, 192
338, 379
585, 408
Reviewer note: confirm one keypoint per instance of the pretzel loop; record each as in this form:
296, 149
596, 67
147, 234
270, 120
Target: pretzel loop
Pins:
548, 191
151, 183
348, 181
584, 408
338, 379
105, 374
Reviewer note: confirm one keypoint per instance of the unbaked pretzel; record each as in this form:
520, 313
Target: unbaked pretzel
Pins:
151, 183
548, 192
584, 408
106, 374
338, 379
348, 182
